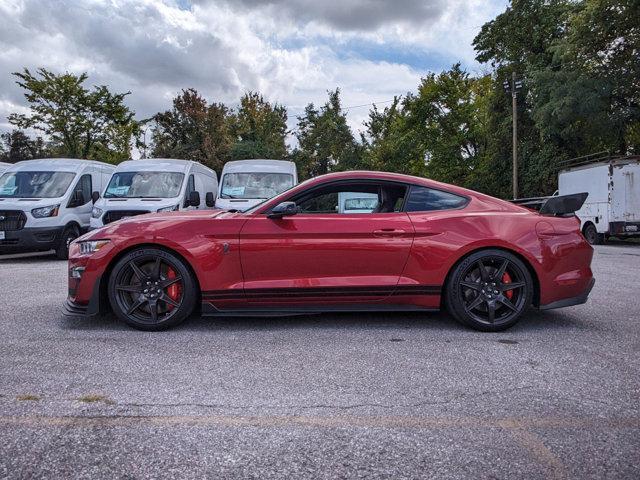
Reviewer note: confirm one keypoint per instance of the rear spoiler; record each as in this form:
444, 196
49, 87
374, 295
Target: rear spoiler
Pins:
558, 205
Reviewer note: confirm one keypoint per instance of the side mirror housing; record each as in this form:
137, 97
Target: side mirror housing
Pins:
210, 200
284, 209
194, 199
77, 199
95, 196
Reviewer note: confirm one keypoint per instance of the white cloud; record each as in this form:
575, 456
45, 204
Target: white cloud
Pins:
292, 52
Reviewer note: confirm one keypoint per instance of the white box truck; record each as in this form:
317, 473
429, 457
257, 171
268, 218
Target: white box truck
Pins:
246, 183
154, 185
45, 204
613, 205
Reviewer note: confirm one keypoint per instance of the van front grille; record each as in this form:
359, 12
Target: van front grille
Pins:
11, 220
114, 215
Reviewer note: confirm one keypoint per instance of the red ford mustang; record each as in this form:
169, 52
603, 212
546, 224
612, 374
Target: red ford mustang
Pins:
353, 241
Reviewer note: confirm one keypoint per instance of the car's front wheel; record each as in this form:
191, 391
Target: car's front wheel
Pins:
489, 290
152, 289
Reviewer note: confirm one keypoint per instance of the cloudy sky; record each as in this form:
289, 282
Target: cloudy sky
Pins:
292, 51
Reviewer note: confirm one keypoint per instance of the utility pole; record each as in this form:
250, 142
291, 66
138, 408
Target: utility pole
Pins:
513, 87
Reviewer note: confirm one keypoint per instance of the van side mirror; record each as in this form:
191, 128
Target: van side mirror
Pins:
210, 200
284, 209
76, 199
194, 199
95, 196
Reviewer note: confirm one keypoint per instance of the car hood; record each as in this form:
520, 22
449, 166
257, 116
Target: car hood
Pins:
150, 221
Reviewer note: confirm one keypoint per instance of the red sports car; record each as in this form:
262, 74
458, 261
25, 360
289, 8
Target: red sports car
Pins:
352, 241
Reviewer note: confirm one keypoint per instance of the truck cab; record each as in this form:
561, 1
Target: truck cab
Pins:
246, 183
154, 185
45, 204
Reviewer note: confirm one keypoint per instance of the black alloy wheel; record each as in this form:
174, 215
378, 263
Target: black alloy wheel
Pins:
151, 289
489, 290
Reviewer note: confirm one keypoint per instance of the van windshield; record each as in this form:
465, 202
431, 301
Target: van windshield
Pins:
144, 185
254, 185
35, 184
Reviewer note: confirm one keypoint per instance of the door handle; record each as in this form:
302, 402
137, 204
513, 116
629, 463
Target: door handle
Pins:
388, 232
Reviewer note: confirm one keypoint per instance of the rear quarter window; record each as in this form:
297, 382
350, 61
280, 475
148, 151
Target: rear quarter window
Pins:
423, 199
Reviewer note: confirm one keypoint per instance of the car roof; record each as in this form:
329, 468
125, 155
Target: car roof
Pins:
59, 164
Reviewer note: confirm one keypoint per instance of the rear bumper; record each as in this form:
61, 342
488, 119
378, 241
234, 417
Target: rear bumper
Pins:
568, 302
31, 239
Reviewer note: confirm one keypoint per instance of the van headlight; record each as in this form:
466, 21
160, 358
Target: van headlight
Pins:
91, 246
96, 212
45, 212
172, 208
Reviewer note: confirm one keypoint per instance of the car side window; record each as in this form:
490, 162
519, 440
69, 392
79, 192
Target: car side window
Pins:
191, 187
350, 198
423, 199
84, 185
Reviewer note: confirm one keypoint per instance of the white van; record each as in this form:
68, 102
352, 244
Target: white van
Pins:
613, 205
245, 183
154, 185
4, 167
45, 204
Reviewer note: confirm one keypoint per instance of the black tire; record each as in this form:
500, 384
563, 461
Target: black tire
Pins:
141, 291
471, 290
68, 235
591, 234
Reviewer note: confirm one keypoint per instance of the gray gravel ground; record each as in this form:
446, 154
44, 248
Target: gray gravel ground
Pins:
332, 396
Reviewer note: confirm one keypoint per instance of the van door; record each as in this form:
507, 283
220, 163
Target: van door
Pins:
80, 202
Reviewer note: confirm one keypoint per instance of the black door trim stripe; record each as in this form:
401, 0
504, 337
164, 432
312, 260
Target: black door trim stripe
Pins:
321, 291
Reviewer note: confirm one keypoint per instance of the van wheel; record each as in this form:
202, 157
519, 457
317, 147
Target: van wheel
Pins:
489, 290
592, 235
152, 289
68, 235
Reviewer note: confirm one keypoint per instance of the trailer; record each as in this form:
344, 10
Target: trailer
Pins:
612, 207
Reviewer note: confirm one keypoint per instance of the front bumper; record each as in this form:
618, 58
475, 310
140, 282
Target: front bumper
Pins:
569, 302
31, 239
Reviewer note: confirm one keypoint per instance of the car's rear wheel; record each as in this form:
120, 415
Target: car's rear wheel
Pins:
152, 289
489, 290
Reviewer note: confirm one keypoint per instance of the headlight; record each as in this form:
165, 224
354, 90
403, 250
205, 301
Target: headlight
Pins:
173, 208
92, 246
44, 212
96, 212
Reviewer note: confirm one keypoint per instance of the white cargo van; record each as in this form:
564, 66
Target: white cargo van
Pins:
613, 204
154, 185
245, 183
45, 204
357, 202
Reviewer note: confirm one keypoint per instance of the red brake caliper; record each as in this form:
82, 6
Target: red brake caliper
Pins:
173, 291
506, 278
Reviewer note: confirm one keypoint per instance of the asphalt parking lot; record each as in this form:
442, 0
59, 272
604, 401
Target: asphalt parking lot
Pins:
332, 396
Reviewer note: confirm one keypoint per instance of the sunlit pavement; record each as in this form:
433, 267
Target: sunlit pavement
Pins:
331, 396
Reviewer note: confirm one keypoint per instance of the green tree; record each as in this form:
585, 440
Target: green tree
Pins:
193, 130
325, 140
16, 146
77, 122
259, 129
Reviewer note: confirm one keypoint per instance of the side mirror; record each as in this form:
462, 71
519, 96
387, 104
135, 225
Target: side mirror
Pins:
210, 200
284, 209
194, 199
95, 196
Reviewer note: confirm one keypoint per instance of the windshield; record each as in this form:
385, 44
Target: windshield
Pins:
144, 185
255, 185
35, 184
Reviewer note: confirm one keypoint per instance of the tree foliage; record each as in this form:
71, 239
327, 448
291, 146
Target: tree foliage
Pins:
325, 140
77, 122
193, 130
16, 146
